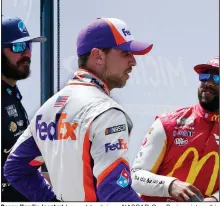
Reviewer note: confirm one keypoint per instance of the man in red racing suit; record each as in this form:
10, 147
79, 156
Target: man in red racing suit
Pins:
179, 156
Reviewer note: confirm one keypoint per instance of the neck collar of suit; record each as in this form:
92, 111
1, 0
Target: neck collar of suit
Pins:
85, 77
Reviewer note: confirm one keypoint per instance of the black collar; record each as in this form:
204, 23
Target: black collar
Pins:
11, 91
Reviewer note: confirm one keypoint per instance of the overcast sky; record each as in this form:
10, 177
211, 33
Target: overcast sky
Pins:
184, 33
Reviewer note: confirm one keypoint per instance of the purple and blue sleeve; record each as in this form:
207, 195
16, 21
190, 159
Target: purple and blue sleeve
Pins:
21, 171
116, 186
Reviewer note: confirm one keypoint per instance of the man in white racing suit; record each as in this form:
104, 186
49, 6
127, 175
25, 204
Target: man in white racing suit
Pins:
81, 133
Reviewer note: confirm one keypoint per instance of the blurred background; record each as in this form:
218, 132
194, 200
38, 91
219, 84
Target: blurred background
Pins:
184, 33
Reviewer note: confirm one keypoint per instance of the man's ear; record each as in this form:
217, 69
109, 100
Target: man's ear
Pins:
98, 56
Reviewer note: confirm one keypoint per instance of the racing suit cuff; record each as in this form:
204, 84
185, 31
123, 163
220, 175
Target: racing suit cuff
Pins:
216, 196
167, 184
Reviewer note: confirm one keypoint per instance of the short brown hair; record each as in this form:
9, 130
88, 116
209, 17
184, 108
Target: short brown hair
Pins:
82, 60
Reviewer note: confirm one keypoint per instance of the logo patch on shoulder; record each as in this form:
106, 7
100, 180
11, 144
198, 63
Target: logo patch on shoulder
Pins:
124, 178
61, 100
115, 129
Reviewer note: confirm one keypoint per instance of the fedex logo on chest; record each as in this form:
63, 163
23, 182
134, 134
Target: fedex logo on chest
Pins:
60, 129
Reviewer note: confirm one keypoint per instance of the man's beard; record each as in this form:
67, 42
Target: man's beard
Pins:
114, 81
12, 71
212, 105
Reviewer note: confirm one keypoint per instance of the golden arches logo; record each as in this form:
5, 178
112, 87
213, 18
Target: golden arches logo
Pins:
197, 165
215, 118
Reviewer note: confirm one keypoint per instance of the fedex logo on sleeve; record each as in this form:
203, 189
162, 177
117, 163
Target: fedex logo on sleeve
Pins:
58, 130
121, 144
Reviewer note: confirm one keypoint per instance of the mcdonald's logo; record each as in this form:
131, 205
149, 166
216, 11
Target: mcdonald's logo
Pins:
197, 165
215, 118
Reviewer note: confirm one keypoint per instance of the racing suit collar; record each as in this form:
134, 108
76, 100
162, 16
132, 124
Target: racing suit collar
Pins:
209, 116
12, 91
85, 77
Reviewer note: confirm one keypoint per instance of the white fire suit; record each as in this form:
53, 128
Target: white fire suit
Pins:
82, 135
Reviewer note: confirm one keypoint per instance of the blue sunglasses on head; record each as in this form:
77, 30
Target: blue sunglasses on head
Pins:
19, 47
204, 77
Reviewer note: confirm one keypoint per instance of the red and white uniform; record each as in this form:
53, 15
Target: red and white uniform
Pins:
182, 145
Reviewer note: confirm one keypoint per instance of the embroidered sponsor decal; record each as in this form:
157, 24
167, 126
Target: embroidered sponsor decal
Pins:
140, 154
183, 133
60, 129
144, 141
9, 91
115, 129
22, 27
124, 178
150, 130
61, 100
148, 180
216, 138
11, 110
185, 121
20, 123
12, 127
180, 141
126, 32
215, 118
98, 83
121, 144
190, 133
